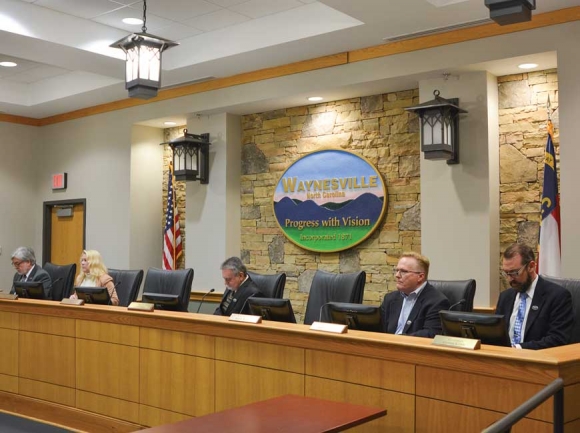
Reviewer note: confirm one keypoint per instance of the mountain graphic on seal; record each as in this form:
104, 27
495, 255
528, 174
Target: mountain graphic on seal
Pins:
365, 206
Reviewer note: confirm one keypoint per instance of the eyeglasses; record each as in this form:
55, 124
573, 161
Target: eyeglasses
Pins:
514, 274
404, 272
17, 264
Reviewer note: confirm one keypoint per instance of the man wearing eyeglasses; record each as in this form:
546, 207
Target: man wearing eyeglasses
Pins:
538, 312
239, 288
24, 261
414, 308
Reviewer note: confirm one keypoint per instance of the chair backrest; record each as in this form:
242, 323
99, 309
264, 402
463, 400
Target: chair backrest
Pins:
271, 286
176, 282
127, 284
330, 287
573, 287
63, 279
456, 291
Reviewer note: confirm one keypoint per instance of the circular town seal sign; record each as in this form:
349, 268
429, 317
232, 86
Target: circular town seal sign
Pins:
329, 200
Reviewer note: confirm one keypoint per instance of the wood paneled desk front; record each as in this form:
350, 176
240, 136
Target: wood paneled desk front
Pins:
99, 368
286, 414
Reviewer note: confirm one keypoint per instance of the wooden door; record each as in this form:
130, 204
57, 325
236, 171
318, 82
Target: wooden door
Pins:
64, 232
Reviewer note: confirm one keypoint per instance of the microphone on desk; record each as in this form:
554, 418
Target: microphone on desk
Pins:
321, 310
114, 288
461, 302
203, 299
246, 302
52, 283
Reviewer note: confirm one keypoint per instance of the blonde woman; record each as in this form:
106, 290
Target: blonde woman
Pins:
94, 274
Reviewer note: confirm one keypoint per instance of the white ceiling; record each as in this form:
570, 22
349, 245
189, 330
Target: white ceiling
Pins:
65, 63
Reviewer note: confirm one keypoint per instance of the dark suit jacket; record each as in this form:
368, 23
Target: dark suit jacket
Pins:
37, 274
247, 289
423, 320
550, 319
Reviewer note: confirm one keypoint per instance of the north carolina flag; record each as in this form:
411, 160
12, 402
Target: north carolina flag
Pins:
549, 254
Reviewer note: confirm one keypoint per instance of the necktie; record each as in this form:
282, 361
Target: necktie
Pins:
520, 319
405, 311
227, 301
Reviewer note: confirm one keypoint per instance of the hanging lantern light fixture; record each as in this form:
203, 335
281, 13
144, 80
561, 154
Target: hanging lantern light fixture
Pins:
143, 63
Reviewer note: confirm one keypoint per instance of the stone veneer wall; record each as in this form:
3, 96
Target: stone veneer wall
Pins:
179, 187
523, 120
376, 127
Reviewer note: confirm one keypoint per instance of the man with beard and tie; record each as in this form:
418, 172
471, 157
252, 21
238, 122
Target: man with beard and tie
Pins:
239, 287
538, 312
24, 261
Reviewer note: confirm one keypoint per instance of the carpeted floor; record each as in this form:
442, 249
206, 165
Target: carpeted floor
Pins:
15, 424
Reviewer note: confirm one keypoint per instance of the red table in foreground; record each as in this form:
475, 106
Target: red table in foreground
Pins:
289, 413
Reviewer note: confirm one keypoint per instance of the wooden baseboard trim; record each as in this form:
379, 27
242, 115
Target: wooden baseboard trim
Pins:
57, 414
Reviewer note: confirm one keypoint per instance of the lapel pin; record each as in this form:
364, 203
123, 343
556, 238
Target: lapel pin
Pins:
409, 322
534, 307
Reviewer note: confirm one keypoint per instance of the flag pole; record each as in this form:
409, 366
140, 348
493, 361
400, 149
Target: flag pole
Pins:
173, 204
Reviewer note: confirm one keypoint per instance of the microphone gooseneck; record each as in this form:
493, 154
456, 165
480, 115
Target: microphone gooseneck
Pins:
203, 299
246, 302
461, 302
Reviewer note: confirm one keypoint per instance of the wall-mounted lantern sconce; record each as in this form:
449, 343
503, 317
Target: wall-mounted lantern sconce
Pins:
143, 60
191, 157
439, 125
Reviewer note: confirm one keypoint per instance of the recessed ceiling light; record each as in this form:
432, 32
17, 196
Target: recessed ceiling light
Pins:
528, 66
133, 21
315, 98
170, 123
8, 64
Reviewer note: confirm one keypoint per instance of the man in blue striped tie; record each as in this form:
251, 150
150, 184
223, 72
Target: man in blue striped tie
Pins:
538, 312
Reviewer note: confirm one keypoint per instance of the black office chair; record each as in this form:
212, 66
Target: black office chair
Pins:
330, 287
456, 291
127, 284
63, 279
573, 287
271, 286
161, 282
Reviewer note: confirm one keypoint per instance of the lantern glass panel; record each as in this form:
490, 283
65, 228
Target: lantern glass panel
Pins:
448, 138
149, 63
132, 65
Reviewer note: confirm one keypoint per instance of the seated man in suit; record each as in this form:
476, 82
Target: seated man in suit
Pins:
239, 287
538, 312
24, 261
414, 308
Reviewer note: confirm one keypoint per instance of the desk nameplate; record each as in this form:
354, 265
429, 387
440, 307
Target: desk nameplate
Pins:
334, 328
457, 342
245, 318
11, 296
141, 306
69, 301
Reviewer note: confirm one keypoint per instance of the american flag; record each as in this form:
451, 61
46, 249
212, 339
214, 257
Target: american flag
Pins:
172, 248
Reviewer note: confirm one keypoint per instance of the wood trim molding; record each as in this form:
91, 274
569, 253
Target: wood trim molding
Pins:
212, 297
463, 35
44, 411
206, 86
420, 43
9, 118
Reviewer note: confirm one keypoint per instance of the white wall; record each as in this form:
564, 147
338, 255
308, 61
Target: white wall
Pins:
460, 203
96, 153
213, 210
146, 217
19, 203
569, 111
